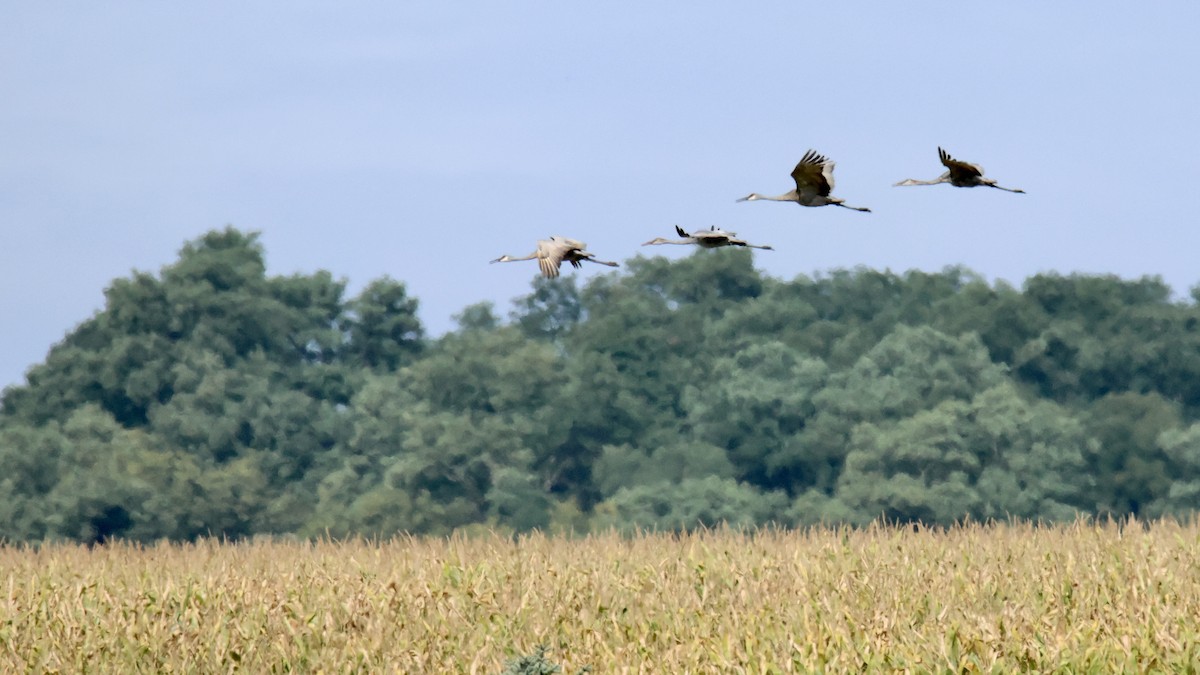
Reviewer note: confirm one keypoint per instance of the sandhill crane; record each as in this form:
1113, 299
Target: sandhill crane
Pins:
552, 252
710, 238
814, 182
959, 174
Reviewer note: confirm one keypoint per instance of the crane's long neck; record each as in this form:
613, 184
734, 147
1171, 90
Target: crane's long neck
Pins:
914, 181
509, 258
787, 197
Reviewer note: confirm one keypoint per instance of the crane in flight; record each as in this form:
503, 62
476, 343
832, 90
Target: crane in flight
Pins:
814, 183
958, 174
713, 237
552, 252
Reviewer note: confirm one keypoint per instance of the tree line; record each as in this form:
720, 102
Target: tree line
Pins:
211, 399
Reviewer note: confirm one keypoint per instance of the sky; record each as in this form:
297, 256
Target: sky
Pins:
419, 140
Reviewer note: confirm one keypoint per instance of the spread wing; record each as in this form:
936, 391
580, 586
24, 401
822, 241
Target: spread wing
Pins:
550, 254
959, 170
569, 243
553, 251
813, 175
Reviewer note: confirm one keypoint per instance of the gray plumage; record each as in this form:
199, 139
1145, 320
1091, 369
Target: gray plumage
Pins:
713, 237
551, 253
958, 174
814, 183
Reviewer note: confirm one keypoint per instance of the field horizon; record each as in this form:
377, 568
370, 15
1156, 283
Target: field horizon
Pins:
1093, 596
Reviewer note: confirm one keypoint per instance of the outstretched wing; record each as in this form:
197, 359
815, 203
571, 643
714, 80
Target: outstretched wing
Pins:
568, 243
813, 175
679, 231
550, 254
959, 170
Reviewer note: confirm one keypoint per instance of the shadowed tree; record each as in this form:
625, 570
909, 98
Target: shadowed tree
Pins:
383, 328
1182, 448
995, 456
753, 405
552, 309
690, 504
1130, 468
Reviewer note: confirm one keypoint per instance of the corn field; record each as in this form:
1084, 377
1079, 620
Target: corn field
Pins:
1085, 597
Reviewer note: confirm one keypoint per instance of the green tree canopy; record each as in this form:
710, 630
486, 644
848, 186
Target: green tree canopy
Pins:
215, 399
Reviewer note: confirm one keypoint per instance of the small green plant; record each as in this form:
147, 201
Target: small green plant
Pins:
534, 664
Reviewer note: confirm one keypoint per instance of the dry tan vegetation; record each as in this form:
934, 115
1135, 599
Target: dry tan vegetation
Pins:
1084, 597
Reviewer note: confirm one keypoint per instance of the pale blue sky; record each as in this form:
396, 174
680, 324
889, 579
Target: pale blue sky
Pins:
420, 140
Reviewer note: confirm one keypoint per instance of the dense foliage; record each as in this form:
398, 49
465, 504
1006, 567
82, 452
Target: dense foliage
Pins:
212, 399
